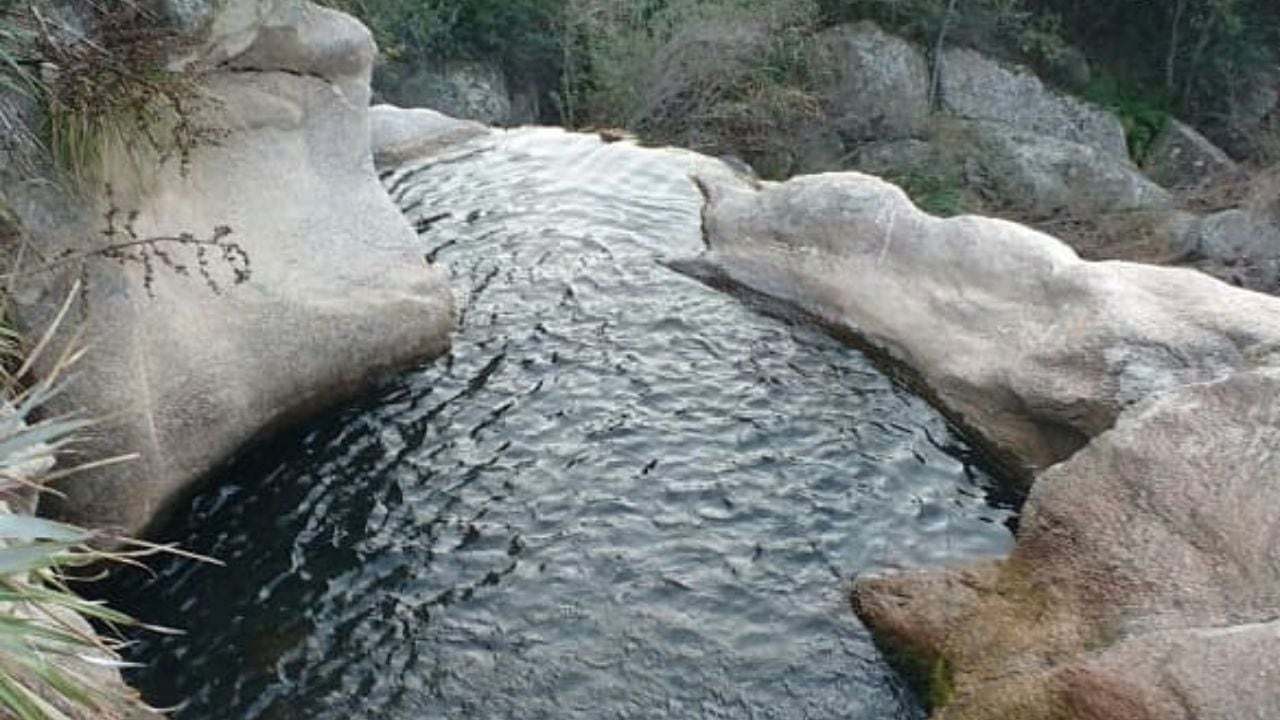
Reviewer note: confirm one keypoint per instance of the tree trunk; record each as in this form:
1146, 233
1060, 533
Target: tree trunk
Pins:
935, 82
1171, 60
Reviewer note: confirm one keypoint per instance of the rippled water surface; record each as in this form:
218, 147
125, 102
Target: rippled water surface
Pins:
623, 495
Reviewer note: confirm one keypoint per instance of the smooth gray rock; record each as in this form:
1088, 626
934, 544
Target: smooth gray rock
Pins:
1032, 348
1180, 157
879, 87
399, 135
339, 293
462, 89
1024, 174
976, 87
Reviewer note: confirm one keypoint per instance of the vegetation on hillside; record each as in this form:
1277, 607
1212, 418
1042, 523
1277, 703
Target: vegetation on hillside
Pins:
640, 64
78, 95
524, 36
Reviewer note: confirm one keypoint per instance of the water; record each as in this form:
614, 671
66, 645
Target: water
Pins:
624, 495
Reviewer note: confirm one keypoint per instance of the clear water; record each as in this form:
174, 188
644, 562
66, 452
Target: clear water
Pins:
623, 495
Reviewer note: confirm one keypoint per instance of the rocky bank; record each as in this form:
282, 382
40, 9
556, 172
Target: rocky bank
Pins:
1143, 402
186, 366
1140, 405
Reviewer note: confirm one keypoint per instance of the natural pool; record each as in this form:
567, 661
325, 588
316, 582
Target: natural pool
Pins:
622, 495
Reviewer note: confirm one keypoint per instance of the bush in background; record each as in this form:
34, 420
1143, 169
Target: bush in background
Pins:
644, 64
525, 37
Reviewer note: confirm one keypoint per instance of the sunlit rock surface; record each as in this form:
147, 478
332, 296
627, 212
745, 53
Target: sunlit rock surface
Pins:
337, 292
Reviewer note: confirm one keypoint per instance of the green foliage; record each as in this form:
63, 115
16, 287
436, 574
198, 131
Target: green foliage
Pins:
719, 75
1201, 54
624, 62
106, 88
1143, 111
1201, 58
937, 193
14, 75
44, 636
523, 35
981, 23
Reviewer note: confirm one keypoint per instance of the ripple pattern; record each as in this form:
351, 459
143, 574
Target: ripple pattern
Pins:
623, 495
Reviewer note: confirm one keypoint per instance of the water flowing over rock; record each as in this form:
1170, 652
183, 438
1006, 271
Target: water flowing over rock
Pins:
1144, 583
339, 290
977, 87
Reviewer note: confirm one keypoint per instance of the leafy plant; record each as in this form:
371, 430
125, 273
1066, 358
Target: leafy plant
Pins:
1143, 111
104, 88
46, 643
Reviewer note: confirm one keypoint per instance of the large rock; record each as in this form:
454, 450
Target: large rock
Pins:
1180, 157
879, 85
1239, 245
1250, 119
463, 89
1031, 347
1145, 582
1146, 578
976, 87
1239, 236
398, 135
1042, 176
339, 291
1012, 172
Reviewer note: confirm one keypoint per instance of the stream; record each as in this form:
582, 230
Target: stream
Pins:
622, 495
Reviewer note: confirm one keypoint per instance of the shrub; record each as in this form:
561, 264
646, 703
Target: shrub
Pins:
46, 642
523, 36
1143, 111
104, 88
715, 75
937, 193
